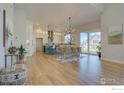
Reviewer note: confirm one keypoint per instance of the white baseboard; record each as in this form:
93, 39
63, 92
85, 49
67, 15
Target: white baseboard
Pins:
111, 60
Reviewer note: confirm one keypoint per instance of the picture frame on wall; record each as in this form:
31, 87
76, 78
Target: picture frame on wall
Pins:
115, 34
6, 30
4, 26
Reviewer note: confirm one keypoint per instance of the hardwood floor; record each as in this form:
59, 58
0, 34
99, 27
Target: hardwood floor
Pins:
88, 70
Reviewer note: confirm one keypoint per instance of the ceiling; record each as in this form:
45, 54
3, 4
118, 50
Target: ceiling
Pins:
56, 14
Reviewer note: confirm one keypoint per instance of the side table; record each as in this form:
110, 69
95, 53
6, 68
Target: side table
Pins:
11, 55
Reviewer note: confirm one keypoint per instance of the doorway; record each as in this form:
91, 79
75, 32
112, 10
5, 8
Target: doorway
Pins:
89, 41
39, 44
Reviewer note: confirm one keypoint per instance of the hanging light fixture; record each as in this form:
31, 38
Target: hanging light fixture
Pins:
68, 32
69, 29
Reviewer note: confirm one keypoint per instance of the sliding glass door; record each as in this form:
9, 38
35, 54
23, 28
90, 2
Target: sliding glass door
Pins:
89, 41
84, 42
94, 39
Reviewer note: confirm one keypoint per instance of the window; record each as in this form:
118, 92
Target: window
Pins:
84, 41
89, 41
68, 38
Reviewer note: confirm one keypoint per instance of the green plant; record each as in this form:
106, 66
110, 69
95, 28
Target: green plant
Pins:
21, 50
98, 49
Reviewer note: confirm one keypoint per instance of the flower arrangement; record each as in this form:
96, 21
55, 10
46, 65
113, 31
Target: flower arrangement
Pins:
12, 50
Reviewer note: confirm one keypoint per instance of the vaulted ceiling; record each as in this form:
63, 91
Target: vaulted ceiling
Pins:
57, 13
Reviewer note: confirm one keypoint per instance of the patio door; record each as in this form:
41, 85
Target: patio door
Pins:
84, 42
94, 39
89, 41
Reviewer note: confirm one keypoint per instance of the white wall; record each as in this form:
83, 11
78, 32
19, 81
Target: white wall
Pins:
42, 35
9, 23
83, 28
30, 39
1, 38
23, 32
112, 15
20, 23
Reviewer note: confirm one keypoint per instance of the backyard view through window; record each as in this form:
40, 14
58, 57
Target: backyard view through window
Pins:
89, 41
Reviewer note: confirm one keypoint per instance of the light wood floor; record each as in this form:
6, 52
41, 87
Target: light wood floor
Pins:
88, 70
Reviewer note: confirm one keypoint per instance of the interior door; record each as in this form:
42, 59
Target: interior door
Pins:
39, 44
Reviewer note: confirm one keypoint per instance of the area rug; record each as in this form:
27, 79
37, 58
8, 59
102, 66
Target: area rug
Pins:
70, 58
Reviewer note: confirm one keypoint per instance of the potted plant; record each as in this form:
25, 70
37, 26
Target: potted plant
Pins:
21, 52
98, 50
